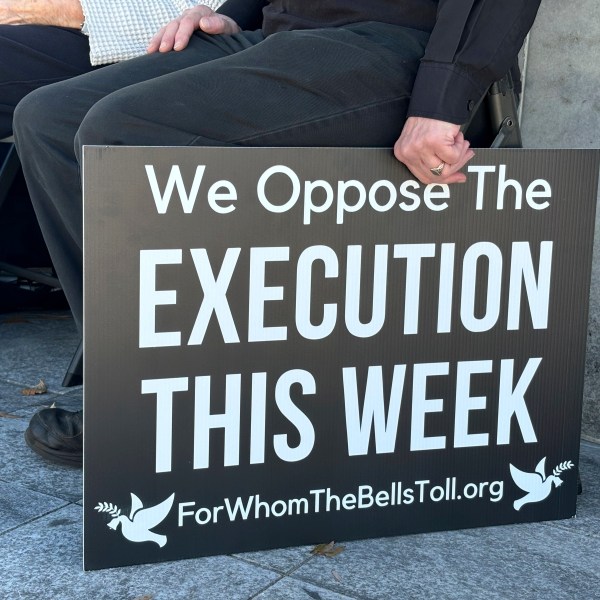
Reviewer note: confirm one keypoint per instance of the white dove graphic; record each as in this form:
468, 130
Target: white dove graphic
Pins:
537, 485
136, 527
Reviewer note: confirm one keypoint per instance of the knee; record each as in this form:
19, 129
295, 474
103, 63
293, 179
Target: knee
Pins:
42, 117
30, 115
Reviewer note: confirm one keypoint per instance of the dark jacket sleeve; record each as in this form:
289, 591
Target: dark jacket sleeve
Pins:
246, 13
473, 44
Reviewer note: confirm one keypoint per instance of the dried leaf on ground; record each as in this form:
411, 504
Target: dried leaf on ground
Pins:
320, 548
40, 388
146, 597
5, 415
329, 549
336, 576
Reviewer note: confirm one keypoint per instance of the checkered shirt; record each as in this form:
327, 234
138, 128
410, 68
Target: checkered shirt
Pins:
121, 29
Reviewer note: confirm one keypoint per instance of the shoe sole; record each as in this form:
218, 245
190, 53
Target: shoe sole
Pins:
70, 459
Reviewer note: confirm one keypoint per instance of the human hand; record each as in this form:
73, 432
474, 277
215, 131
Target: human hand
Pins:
176, 34
427, 143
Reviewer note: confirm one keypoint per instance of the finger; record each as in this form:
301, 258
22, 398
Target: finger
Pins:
218, 24
457, 165
451, 173
455, 157
176, 34
167, 40
423, 159
451, 153
189, 22
154, 42
184, 32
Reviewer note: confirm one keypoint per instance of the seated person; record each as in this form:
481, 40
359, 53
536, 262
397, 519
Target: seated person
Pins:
385, 73
46, 42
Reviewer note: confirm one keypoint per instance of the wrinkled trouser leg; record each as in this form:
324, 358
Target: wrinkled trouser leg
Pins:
32, 56
332, 87
45, 124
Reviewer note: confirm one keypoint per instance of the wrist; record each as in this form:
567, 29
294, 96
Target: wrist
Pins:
61, 13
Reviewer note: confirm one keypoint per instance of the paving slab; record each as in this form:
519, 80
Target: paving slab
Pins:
18, 505
290, 589
43, 560
528, 561
11, 398
535, 560
41, 347
72, 399
283, 560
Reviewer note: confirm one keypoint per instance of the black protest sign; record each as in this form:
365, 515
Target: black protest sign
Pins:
289, 346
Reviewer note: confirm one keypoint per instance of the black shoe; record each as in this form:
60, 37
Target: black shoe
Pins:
57, 435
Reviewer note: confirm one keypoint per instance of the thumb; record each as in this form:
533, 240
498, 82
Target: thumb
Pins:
215, 24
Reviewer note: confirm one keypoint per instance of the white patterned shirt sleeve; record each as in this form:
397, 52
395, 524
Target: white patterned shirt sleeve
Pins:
121, 29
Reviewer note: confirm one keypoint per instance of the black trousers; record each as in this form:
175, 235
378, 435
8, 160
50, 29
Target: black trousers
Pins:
32, 56
347, 86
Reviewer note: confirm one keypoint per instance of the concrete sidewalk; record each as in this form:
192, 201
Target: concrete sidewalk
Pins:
40, 504
41, 515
